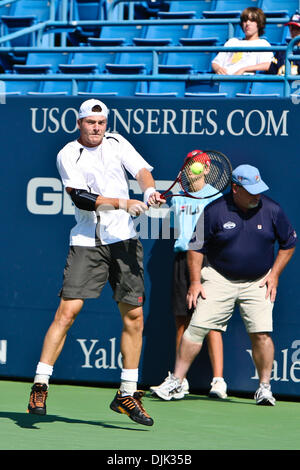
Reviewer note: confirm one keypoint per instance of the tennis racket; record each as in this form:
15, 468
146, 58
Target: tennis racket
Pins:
212, 167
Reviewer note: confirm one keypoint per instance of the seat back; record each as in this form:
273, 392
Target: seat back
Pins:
200, 61
21, 86
201, 86
38, 8
100, 58
234, 5
85, 10
197, 6
276, 34
169, 88
267, 88
137, 57
52, 58
229, 9
5, 10
278, 8
114, 87
172, 32
62, 86
219, 31
232, 88
88, 10
127, 33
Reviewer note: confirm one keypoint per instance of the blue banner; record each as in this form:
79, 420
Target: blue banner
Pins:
37, 216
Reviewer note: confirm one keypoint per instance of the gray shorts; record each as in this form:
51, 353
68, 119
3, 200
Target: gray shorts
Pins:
89, 268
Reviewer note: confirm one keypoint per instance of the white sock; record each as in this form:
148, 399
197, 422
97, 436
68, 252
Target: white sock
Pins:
43, 373
265, 385
129, 379
127, 388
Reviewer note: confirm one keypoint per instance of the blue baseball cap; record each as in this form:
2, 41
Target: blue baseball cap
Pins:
249, 178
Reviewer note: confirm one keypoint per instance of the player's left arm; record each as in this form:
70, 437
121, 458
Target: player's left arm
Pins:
147, 185
271, 280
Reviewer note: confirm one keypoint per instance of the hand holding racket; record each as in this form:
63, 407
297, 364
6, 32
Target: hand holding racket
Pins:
155, 199
202, 167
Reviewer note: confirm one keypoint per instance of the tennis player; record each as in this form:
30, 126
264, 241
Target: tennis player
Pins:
103, 247
240, 232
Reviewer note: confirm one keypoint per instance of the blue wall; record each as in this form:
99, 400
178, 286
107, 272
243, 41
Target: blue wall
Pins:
36, 219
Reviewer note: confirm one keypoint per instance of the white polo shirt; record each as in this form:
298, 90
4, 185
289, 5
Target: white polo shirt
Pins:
101, 170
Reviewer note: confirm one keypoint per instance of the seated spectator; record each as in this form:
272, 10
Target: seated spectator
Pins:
277, 66
253, 21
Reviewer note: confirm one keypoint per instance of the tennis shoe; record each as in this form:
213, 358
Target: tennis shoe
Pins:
169, 389
37, 400
264, 396
218, 388
132, 407
185, 386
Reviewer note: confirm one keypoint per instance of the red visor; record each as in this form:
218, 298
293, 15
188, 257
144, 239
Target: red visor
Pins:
199, 156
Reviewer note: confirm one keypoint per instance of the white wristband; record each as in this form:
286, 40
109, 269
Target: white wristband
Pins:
147, 194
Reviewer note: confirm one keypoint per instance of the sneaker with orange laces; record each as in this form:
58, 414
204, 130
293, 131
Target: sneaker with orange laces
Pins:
37, 400
132, 407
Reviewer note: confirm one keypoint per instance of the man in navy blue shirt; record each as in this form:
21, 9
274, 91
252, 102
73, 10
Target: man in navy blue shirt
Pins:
240, 232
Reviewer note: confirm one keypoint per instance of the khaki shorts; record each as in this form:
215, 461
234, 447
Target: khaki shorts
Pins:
222, 295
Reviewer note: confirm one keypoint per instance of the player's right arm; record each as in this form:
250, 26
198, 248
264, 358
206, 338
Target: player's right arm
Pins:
195, 262
85, 200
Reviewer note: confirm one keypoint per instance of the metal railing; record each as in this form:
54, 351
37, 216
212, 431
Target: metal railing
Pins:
52, 26
114, 4
63, 26
155, 76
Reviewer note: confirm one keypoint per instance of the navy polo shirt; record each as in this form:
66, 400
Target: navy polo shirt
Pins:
278, 63
241, 245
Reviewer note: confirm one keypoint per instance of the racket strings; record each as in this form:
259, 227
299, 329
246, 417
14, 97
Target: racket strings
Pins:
189, 181
218, 174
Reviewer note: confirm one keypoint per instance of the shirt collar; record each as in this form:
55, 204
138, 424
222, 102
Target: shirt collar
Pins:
246, 215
